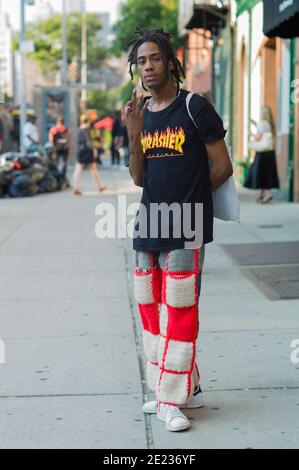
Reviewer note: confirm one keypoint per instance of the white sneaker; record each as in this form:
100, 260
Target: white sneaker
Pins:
195, 401
173, 418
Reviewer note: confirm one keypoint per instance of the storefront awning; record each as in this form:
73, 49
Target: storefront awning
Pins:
281, 18
205, 14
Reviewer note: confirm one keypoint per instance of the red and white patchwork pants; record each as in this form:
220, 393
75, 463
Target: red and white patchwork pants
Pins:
166, 290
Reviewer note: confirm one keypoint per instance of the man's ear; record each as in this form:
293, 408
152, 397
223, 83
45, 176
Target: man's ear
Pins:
170, 66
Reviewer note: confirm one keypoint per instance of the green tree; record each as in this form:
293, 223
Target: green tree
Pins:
152, 14
126, 92
47, 40
104, 101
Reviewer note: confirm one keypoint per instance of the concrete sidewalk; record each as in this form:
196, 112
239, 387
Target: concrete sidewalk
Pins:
73, 376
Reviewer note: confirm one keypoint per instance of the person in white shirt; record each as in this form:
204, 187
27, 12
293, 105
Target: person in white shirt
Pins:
31, 135
262, 174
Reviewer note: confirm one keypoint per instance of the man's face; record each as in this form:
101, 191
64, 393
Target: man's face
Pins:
151, 67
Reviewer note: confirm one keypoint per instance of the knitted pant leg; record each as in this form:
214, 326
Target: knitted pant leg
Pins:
148, 286
179, 327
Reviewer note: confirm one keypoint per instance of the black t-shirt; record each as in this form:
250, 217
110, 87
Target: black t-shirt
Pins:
176, 170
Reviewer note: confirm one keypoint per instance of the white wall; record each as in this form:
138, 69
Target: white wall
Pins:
257, 39
283, 96
6, 64
243, 36
284, 91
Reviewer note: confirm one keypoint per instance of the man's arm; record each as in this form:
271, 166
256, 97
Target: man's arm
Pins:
133, 116
221, 168
136, 161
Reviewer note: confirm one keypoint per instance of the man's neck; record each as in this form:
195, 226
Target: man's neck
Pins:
164, 94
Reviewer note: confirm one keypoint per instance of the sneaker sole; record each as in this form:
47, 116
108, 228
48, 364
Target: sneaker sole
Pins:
188, 407
191, 407
169, 428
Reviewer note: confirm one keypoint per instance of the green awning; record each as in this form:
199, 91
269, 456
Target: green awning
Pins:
245, 5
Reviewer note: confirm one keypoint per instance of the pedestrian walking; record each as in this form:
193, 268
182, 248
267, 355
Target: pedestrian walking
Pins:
117, 135
262, 174
169, 160
97, 140
124, 146
60, 138
86, 157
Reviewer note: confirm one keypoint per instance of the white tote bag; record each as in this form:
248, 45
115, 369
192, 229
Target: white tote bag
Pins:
225, 199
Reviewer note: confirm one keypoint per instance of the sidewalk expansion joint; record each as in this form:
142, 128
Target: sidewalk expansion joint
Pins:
250, 389
147, 420
148, 425
58, 395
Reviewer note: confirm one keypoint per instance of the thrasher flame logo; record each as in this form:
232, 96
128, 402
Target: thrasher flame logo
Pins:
172, 139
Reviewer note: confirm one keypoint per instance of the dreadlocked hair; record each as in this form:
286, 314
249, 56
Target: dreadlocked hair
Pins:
163, 40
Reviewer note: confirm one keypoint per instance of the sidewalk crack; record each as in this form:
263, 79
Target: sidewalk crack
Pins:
148, 426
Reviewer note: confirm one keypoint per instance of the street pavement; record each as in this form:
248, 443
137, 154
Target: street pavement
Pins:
73, 375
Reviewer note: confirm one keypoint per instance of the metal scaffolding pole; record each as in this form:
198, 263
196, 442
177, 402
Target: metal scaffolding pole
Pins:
84, 57
22, 82
64, 65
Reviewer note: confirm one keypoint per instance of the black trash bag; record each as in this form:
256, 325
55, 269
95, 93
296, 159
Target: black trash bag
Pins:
6, 176
2, 191
52, 166
64, 184
20, 187
35, 160
23, 161
60, 179
48, 184
36, 173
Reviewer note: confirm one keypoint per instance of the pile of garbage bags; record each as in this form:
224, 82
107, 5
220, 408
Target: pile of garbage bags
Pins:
27, 175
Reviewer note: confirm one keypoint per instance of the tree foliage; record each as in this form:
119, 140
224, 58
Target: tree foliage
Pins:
47, 36
104, 101
152, 14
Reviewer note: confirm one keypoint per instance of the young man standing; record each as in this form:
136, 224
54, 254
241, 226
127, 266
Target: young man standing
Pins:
169, 158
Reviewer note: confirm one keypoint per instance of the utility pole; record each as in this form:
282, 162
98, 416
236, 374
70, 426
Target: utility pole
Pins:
84, 57
64, 65
22, 82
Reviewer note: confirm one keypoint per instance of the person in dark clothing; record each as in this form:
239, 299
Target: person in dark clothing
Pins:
117, 134
86, 157
60, 138
97, 140
125, 146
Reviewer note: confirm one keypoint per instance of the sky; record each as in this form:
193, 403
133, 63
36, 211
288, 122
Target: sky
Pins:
12, 8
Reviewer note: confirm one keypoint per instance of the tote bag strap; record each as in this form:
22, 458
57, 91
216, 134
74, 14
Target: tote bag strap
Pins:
188, 99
